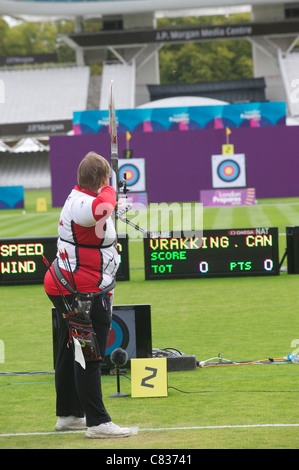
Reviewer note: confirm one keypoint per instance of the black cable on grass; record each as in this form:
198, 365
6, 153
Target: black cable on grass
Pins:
237, 391
26, 373
169, 387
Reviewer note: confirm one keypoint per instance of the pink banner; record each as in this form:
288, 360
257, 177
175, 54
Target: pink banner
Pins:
228, 197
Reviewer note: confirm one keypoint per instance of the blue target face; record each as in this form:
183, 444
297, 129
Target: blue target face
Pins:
228, 170
131, 172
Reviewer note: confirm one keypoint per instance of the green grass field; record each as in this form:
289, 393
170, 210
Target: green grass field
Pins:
244, 319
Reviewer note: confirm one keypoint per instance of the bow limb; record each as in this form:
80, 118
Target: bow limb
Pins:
113, 139
114, 163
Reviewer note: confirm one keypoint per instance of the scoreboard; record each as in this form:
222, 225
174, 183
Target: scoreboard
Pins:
123, 272
21, 260
217, 253
171, 255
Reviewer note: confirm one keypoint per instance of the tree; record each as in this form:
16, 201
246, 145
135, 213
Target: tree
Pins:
36, 38
212, 61
205, 61
179, 63
3, 31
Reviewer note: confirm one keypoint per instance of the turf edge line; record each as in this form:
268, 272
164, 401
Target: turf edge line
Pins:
228, 426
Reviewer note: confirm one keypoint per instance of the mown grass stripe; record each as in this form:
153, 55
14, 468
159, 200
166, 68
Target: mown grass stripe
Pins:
258, 217
223, 218
290, 213
30, 225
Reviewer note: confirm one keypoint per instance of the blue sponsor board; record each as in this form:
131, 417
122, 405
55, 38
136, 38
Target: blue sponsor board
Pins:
183, 118
11, 197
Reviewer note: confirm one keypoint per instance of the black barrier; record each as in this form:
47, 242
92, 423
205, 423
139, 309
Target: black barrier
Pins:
292, 249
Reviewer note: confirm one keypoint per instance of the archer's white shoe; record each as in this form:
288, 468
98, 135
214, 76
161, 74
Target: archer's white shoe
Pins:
65, 423
107, 430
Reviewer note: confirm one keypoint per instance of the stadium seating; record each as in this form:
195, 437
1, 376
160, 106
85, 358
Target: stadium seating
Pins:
43, 94
30, 170
123, 76
33, 96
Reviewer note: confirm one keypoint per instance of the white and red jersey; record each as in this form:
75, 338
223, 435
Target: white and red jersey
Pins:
87, 232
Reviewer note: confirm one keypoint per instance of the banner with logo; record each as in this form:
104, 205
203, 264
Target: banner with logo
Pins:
182, 118
228, 197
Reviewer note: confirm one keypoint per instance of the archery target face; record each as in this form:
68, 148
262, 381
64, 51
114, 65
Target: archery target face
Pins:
132, 174
228, 171
134, 168
122, 333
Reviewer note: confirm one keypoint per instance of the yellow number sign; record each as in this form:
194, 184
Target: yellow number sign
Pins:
149, 377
